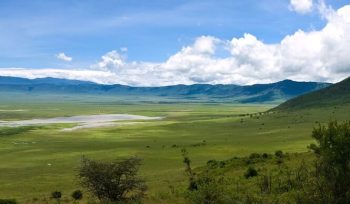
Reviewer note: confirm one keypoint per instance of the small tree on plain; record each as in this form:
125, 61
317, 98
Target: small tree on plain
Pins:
77, 195
57, 195
115, 181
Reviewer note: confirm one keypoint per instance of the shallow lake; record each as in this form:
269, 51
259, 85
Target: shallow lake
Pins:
83, 121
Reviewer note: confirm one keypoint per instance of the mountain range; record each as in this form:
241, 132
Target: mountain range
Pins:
258, 93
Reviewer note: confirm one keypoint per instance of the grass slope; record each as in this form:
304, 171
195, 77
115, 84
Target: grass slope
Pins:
334, 95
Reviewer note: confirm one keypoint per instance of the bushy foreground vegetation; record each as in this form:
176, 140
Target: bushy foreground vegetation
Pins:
275, 179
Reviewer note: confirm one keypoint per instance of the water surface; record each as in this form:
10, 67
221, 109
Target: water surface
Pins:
83, 121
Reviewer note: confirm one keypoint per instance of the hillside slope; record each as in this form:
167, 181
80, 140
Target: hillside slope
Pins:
258, 93
336, 94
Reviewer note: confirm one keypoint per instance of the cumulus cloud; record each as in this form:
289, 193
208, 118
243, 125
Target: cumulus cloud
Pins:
318, 55
301, 6
62, 56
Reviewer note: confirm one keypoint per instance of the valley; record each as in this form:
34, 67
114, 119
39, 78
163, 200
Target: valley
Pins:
39, 159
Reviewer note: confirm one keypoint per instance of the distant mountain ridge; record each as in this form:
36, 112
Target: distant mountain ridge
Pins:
336, 94
258, 93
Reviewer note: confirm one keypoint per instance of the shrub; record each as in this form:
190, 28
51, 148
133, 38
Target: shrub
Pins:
56, 195
77, 195
222, 164
265, 156
333, 161
209, 190
279, 154
254, 156
212, 164
8, 201
115, 181
251, 172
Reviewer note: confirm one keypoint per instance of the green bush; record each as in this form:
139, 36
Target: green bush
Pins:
56, 195
254, 156
77, 195
251, 172
279, 154
265, 156
212, 164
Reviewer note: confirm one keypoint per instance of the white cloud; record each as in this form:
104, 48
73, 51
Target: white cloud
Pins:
319, 55
110, 61
102, 77
124, 49
64, 57
301, 6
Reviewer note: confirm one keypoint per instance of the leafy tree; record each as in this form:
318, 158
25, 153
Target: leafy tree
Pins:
115, 181
332, 149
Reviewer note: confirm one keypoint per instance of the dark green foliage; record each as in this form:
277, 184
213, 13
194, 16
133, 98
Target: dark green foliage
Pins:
8, 201
279, 154
216, 164
251, 172
57, 195
254, 156
333, 161
77, 195
265, 155
115, 181
212, 163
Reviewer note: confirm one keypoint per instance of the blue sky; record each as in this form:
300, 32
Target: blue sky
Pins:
34, 32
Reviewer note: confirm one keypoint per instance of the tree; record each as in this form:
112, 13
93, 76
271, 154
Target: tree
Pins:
112, 181
77, 195
333, 161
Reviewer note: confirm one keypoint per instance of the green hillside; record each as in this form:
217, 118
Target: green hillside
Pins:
334, 95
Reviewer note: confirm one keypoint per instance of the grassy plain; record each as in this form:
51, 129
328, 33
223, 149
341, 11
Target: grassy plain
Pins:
35, 161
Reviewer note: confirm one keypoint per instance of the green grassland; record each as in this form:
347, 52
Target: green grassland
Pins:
35, 161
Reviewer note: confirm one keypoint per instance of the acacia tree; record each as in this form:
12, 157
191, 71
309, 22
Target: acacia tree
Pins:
112, 181
333, 161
